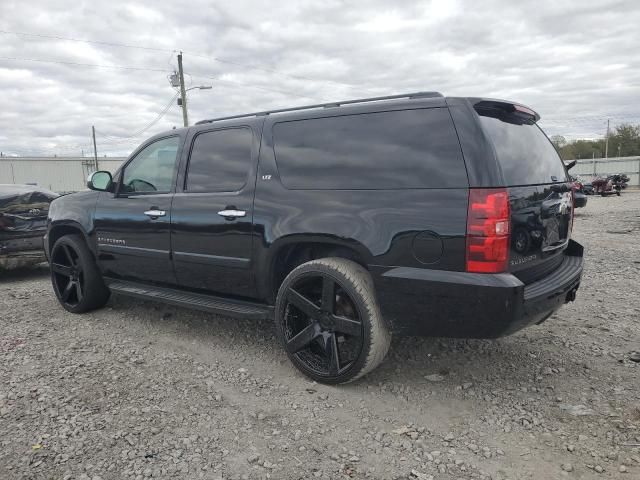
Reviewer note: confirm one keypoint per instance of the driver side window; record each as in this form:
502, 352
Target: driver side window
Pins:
153, 169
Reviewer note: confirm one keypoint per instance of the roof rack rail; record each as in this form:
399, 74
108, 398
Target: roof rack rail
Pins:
327, 105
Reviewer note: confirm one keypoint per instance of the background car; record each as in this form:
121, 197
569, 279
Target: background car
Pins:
23, 223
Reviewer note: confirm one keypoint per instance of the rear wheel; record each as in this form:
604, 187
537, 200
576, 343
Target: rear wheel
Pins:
76, 279
329, 321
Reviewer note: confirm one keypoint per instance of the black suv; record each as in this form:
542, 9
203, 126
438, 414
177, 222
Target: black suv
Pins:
345, 223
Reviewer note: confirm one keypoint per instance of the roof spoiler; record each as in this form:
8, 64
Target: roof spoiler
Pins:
500, 107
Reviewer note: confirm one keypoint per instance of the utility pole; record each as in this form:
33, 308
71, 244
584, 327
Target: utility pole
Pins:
606, 142
95, 149
183, 93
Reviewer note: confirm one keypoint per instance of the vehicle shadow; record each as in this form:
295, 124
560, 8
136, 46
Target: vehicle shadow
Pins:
455, 362
411, 360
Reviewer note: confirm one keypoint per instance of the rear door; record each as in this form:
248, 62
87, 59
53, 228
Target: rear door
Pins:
211, 226
539, 189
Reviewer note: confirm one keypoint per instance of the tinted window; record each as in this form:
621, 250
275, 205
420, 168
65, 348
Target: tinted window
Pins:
153, 168
525, 154
386, 150
219, 161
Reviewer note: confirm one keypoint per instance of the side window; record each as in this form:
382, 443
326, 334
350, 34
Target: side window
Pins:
400, 149
153, 169
219, 161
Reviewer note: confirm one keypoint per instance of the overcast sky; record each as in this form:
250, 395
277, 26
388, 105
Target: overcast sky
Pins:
576, 62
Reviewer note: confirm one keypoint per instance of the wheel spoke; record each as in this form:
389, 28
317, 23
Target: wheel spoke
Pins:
331, 350
78, 291
67, 291
347, 326
328, 294
67, 253
303, 304
61, 269
303, 338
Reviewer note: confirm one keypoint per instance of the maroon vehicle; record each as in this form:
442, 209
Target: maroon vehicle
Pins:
606, 186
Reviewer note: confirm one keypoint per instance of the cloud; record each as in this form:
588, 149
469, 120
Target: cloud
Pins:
574, 62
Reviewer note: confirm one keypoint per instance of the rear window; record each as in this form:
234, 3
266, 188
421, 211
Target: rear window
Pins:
524, 152
384, 150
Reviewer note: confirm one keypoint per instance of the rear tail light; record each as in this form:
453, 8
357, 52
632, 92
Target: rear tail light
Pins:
488, 228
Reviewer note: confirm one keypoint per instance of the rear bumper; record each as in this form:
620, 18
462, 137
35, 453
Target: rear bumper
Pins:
425, 302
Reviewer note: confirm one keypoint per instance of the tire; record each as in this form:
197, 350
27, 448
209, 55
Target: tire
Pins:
75, 277
329, 321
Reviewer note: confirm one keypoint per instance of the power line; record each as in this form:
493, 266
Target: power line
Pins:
142, 130
97, 42
122, 67
114, 140
156, 49
273, 71
146, 69
258, 87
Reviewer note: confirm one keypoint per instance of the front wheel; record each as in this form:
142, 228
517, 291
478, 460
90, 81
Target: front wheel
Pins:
76, 279
329, 321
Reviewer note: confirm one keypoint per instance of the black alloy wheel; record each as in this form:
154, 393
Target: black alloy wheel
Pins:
329, 322
67, 275
76, 280
322, 326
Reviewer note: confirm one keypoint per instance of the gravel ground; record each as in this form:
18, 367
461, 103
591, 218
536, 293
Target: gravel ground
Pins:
140, 390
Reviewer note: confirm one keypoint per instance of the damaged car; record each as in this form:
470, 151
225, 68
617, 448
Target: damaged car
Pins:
23, 224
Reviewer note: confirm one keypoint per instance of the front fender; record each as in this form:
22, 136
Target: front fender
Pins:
72, 212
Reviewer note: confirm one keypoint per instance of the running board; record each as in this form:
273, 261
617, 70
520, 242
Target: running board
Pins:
198, 301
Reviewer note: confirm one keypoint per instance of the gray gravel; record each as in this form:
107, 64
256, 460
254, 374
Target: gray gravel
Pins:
139, 390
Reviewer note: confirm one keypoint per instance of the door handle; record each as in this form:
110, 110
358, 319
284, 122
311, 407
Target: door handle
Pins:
232, 213
155, 213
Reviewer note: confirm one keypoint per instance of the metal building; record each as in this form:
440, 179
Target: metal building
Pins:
60, 174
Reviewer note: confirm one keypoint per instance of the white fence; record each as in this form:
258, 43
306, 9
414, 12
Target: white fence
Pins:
60, 174
588, 169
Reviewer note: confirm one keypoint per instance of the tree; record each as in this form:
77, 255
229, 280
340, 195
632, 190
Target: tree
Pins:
559, 141
625, 136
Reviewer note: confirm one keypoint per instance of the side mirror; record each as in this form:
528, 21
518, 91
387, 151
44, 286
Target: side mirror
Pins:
100, 181
571, 164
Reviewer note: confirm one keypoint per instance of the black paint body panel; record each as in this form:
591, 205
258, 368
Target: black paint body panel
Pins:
472, 305
130, 244
210, 252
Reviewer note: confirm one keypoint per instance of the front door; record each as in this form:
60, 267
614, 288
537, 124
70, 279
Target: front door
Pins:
211, 224
132, 225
